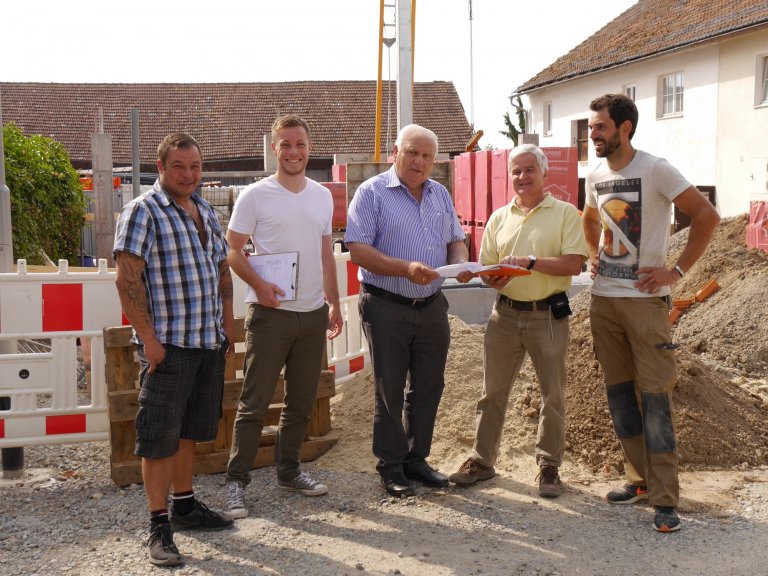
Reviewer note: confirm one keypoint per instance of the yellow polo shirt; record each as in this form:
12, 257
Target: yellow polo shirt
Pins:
553, 228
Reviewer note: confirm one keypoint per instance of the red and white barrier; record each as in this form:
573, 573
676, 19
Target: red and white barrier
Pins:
63, 306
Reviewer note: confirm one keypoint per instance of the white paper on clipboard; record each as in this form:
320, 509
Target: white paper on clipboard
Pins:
281, 269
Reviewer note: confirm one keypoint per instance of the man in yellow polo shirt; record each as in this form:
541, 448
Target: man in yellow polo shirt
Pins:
544, 235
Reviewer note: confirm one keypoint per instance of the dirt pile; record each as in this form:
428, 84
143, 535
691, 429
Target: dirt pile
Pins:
720, 401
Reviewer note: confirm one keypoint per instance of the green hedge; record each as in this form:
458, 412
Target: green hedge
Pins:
47, 201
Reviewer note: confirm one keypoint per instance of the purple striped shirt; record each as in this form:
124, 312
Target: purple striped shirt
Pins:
386, 216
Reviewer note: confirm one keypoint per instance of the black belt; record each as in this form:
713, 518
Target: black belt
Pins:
525, 306
392, 297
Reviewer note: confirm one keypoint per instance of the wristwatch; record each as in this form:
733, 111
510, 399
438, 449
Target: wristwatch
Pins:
531, 262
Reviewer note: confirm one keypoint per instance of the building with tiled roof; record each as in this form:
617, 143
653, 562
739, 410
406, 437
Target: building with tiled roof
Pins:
228, 119
698, 72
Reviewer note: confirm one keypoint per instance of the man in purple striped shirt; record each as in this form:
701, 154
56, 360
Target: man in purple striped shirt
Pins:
401, 226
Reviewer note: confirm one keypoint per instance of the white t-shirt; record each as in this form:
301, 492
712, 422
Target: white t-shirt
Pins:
635, 206
279, 220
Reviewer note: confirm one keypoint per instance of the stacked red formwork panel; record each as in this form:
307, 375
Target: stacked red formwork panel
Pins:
562, 179
464, 196
483, 188
339, 172
757, 229
339, 194
499, 179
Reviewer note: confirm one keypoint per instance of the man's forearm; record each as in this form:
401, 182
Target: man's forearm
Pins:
226, 289
330, 284
133, 295
377, 262
457, 252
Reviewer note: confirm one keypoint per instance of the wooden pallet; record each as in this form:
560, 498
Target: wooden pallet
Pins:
123, 400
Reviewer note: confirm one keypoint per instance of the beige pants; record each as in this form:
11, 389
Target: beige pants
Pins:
509, 336
639, 378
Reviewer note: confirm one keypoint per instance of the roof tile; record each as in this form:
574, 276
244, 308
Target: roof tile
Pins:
228, 119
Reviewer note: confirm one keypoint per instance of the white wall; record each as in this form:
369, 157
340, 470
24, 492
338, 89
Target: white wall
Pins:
688, 141
742, 143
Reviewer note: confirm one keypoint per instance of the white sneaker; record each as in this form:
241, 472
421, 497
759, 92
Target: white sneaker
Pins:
305, 484
236, 500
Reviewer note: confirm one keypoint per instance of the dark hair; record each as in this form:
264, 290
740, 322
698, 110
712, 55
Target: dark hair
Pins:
289, 121
177, 141
620, 108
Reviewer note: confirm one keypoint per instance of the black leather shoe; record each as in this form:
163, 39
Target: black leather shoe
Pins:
396, 484
424, 473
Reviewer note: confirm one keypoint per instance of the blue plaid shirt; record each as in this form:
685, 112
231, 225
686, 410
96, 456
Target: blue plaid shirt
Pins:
181, 278
385, 215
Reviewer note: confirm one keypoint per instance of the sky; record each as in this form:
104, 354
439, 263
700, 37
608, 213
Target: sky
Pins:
275, 41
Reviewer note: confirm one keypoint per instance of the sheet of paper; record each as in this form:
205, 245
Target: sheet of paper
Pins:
453, 270
281, 269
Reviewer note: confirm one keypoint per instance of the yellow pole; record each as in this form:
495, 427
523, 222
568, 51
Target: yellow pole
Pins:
377, 143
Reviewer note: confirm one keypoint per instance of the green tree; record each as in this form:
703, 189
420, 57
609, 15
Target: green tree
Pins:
513, 132
47, 201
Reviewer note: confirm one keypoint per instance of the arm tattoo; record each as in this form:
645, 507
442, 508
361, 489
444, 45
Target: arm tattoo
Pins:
225, 281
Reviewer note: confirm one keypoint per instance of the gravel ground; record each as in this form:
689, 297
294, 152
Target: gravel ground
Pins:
66, 517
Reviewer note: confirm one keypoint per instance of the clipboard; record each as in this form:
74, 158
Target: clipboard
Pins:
502, 270
281, 269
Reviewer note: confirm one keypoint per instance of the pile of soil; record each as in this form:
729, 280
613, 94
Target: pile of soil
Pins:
721, 400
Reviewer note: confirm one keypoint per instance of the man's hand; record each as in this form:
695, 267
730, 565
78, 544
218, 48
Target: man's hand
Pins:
651, 279
335, 322
465, 276
419, 273
229, 332
154, 352
497, 282
267, 294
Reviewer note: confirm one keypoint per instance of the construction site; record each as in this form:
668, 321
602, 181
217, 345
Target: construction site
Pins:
71, 496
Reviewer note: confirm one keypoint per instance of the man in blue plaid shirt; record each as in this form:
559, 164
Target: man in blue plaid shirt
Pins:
176, 290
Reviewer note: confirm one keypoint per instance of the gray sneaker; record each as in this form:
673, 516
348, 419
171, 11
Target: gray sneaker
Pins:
305, 484
472, 471
162, 551
236, 500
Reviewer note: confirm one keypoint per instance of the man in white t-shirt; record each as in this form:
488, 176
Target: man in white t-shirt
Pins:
283, 214
627, 218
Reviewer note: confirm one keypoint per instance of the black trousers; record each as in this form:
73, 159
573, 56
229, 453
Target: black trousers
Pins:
408, 348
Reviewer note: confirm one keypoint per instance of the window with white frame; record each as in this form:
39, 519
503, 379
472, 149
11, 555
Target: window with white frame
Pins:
671, 94
629, 91
547, 118
761, 80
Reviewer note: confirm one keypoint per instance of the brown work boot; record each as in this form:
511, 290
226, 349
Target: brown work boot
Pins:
472, 471
550, 485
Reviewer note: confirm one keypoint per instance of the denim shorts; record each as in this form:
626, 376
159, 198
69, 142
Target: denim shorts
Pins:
180, 399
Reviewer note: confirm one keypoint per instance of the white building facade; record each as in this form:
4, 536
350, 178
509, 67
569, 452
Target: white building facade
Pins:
703, 107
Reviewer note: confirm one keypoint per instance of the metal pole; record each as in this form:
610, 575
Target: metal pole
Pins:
136, 162
404, 65
377, 130
13, 458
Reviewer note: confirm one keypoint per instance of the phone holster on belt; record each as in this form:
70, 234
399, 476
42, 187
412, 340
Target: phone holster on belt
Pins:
559, 305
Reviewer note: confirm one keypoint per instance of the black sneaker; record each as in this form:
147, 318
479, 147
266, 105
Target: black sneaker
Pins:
162, 551
627, 494
666, 519
201, 518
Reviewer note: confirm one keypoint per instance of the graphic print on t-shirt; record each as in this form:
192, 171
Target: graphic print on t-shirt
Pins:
621, 215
